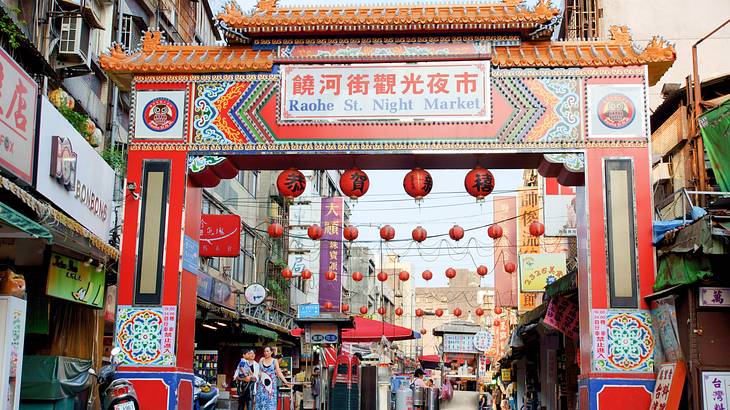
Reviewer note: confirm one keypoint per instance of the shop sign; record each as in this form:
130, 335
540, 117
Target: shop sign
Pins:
668, 386
222, 294
483, 340
715, 390
308, 310
319, 333
559, 209
529, 301
540, 270
506, 375
482, 369
616, 111
330, 251
436, 91
160, 115
562, 314
220, 235
71, 280
191, 255
714, 297
255, 294
205, 286
72, 175
459, 343
18, 99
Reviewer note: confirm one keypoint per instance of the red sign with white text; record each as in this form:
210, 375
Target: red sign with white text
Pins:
220, 235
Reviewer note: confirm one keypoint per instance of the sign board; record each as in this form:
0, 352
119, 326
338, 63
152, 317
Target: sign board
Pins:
562, 314
72, 175
668, 386
714, 297
330, 252
205, 286
308, 310
191, 255
616, 111
220, 235
255, 294
715, 390
459, 343
482, 367
506, 375
160, 115
540, 270
70, 279
483, 340
223, 295
559, 209
436, 91
17, 119
319, 333
529, 301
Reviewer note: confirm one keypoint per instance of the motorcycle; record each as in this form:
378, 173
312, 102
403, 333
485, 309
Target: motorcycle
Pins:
114, 394
205, 396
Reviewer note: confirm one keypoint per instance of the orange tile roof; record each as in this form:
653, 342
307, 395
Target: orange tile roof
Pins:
619, 50
501, 16
156, 57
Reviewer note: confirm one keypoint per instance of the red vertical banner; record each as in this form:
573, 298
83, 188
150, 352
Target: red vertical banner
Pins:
505, 250
220, 235
330, 254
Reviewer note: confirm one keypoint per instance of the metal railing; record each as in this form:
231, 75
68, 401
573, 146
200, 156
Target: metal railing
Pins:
678, 204
268, 316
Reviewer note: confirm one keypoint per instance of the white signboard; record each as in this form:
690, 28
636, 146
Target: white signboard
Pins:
17, 118
483, 340
438, 91
459, 343
715, 390
159, 115
72, 175
255, 294
716, 297
319, 333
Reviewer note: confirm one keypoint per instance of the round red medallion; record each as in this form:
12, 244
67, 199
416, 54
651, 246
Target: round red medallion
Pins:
160, 114
616, 111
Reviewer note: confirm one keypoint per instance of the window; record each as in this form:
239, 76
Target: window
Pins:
243, 265
203, 26
582, 18
317, 182
249, 180
131, 31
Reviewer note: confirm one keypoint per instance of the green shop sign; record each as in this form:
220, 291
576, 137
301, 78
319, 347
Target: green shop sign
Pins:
70, 279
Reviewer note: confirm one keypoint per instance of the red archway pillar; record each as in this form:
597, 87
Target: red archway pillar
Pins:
155, 324
616, 270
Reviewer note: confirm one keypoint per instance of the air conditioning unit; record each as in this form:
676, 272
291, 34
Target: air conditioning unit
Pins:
74, 42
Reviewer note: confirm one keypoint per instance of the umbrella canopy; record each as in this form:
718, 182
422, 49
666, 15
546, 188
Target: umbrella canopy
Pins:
369, 330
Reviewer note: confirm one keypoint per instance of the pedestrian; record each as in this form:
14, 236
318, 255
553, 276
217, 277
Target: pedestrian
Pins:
485, 399
267, 385
418, 378
246, 375
317, 388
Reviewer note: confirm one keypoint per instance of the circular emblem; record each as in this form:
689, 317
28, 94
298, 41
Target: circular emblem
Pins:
616, 111
255, 294
482, 340
160, 114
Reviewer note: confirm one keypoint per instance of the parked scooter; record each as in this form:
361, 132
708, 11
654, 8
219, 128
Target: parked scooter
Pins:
114, 394
205, 396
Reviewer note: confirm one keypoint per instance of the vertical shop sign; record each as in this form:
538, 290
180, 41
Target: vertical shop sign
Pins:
598, 329
17, 118
220, 235
715, 389
668, 386
330, 256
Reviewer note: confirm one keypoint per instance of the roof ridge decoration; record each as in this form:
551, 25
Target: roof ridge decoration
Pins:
154, 56
267, 18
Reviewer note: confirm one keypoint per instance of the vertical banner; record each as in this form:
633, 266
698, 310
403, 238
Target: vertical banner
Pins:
505, 284
330, 255
528, 212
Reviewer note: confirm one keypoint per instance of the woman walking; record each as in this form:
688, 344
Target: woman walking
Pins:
267, 385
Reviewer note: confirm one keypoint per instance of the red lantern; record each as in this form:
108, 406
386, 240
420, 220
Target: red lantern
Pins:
510, 267
345, 307
357, 276
482, 270
382, 276
275, 230
439, 312
314, 232
363, 310
404, 276
424, 331
479, 311
479, 182
286, 273
537, 228
350, 233
495, 231
387, 232
419, 312
398, 311
329, 275
381, 311
456, 232
306, 274
327, 305
498, 310
291, 183
354, 183
457, 312
427, 275
496, 322
418, 183
419, 234
451, 273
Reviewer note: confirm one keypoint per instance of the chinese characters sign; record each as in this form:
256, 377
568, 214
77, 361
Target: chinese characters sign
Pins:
445, 91
715, 389
562, 314
540, 270
715, 297
220, 235
17, 118
70, 279
668, 387
330, 256
459, 343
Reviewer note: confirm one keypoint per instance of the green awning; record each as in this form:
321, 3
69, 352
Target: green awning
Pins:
258, 331
715, 129
567, 283
14, 218
682, 269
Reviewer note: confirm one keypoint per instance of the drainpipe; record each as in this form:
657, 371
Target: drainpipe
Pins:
698, 106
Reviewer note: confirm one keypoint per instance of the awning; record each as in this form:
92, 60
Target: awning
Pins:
258, 331
566, 284
368, 330
9, 216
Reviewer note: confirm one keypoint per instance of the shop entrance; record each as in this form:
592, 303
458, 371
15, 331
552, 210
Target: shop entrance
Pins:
576, 111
